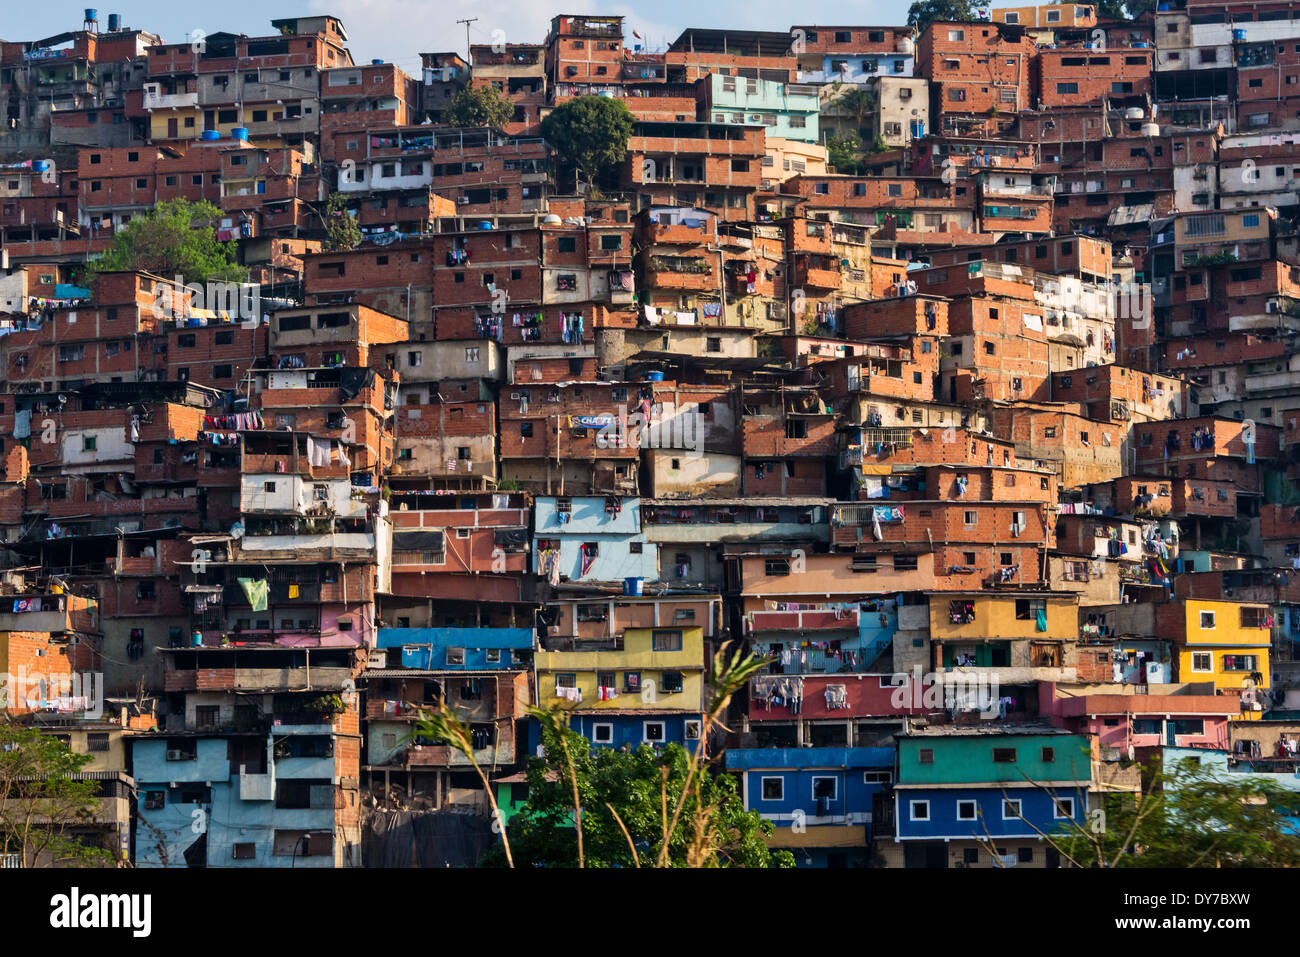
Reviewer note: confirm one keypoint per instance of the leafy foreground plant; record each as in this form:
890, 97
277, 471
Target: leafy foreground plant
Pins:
1187, 815
41, 801
597, 807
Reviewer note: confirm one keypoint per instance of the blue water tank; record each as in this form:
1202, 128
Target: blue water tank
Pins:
91, 14
40, 165
485, 224
632, 587
239, 133
376, 62
654, 377
114, 22
209, 135
1238, 34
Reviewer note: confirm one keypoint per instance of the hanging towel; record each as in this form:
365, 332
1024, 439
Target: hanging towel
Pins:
256, 591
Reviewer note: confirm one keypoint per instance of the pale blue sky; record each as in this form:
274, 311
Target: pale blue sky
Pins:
399, 30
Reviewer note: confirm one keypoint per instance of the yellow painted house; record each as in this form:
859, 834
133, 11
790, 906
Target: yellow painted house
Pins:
1226, 642
656, 669
1026, 636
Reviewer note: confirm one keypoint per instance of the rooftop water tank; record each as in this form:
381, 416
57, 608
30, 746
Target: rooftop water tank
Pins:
484, 224
1150, 129
905, 45
239, 133
376, 62
40, 165
114, 22
654, 377
1134, 113
209, 135
552, 220
91, 14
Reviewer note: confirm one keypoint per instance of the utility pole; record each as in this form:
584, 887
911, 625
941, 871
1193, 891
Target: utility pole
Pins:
467, 23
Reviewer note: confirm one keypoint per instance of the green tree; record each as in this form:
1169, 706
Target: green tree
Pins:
478, 106
605, 808
623, 796
1188, 815
1124, 9
41, 802
589, 133
844, 152
341, 229
923, 12
175, 238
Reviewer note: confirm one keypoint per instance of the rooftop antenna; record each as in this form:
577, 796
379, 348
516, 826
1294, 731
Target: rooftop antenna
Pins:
467, 23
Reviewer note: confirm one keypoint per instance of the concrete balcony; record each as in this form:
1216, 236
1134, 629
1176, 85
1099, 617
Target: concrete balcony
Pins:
697, 280
800, 621
256, 787
813, 278
170, 101
257, 679
1010, 675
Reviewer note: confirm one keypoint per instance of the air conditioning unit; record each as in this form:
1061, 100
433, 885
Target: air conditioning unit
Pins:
378, 658
175, 755
462, 200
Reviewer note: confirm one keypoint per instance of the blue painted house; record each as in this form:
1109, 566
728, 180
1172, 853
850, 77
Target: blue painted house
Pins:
592, 539
256, 800
483, 675
981, 796
822, 800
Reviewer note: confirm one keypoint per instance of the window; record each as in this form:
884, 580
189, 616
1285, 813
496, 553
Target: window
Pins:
773, 789
671, 682
1202, 661
246, 851
567, 244
920, 810
655, 732
1240, 663
1067, 88
925, 756
602, 733
1028, 609
666, 641
1207, 620
144, 591
1063, 808
1254, 617
1010, 809
154, 800
825, 787
776, 566
966, 810
1004, 755
1049, 755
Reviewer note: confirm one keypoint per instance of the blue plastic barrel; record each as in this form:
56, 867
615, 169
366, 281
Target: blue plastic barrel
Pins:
654, 377
239, 133
209, 135
632, 586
